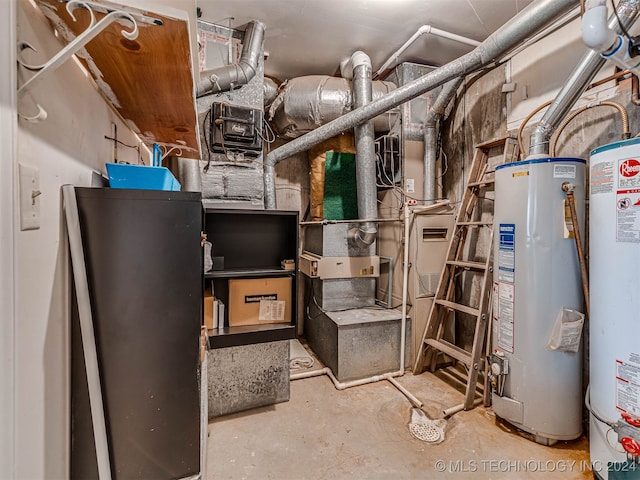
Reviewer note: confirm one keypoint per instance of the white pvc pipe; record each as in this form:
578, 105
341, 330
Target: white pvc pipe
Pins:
447, 412
424, 29
312, 373
597, 35
405, 285
403, 328
362, 381
416, 403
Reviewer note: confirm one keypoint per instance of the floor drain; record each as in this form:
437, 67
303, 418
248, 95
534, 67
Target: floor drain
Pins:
425, 429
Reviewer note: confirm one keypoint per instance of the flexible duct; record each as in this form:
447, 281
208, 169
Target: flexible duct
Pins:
305, 103
237, 74
365, 233
530, 20
434, 115
270, 91
576, 84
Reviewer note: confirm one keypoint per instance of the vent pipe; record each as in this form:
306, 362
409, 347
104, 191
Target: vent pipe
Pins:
237, 74
531, 19
434, 115
423, 30
365, 234
577, 83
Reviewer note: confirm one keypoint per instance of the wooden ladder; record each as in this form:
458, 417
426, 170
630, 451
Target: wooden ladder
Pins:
481, 179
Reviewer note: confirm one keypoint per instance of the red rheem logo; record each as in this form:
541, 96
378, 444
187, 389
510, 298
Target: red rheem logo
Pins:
630, 168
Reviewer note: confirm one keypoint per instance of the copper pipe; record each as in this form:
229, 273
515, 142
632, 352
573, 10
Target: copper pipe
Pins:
623, 114
602, 81
634, 91
584, 274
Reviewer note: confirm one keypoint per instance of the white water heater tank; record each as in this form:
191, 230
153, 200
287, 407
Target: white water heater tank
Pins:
536, 276
614, 269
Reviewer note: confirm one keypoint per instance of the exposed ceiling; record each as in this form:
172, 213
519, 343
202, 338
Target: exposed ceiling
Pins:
306, 37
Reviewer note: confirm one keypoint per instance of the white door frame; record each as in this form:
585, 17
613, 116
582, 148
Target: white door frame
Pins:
8, 153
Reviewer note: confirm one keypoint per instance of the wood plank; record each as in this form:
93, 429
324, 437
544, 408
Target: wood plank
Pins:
450, 349
468, 264
458, 307
149, 81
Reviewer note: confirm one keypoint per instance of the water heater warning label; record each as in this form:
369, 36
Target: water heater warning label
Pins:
564, 171
602, 175
628, 387
507, 253
503, 304
628, 216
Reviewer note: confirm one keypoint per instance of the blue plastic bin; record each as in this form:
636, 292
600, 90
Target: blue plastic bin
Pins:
141, 177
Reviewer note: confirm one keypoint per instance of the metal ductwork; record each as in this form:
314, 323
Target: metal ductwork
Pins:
237, 74
270, 91
305, 103
577, 83
529, 21
435, 113
365, 233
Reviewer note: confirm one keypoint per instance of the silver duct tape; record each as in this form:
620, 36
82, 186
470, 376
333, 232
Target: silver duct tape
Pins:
306, 103
270, 91
231, 182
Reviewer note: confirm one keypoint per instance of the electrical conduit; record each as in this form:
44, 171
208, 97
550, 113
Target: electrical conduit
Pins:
530, 20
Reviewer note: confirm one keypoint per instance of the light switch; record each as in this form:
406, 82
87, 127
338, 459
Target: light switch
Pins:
29, 197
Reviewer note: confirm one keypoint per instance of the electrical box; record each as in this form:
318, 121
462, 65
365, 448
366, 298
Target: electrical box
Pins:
317, 266
235, 129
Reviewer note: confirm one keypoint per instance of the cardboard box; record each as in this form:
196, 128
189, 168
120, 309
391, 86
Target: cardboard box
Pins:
208, 310
257, 301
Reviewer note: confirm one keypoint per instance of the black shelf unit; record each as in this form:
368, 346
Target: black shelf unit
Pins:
143, 257
252, 243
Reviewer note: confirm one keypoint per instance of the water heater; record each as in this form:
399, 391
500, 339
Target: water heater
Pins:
536, 276
614, 266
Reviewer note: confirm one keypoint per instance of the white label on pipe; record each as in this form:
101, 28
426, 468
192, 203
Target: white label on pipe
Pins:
271, 310
564, 171
628, 387
628, 216
506, 300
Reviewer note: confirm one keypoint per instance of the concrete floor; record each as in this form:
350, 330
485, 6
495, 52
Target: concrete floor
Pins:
361, 433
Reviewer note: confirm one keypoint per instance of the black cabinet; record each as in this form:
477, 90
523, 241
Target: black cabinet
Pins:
251, 244
144, 268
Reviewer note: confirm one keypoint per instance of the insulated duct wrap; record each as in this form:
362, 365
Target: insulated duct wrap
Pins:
530, 20
305, 103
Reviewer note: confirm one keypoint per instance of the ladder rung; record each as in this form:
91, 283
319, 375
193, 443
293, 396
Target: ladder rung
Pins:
483, 182
450, 349
475, 224
459, 307
471, 265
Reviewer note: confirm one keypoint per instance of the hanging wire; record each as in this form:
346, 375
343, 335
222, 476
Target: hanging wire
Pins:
206, 140
620, 24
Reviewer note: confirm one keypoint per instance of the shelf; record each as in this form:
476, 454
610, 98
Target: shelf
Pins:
249, 272
149, 81
250, 334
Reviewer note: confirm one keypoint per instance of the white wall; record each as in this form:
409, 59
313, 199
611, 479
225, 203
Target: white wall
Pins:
65, 148
540, 71
7, 154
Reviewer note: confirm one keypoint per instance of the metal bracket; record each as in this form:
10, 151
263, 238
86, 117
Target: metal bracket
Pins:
72, 48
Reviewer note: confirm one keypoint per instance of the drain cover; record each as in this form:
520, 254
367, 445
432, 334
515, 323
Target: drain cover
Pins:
425, 432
